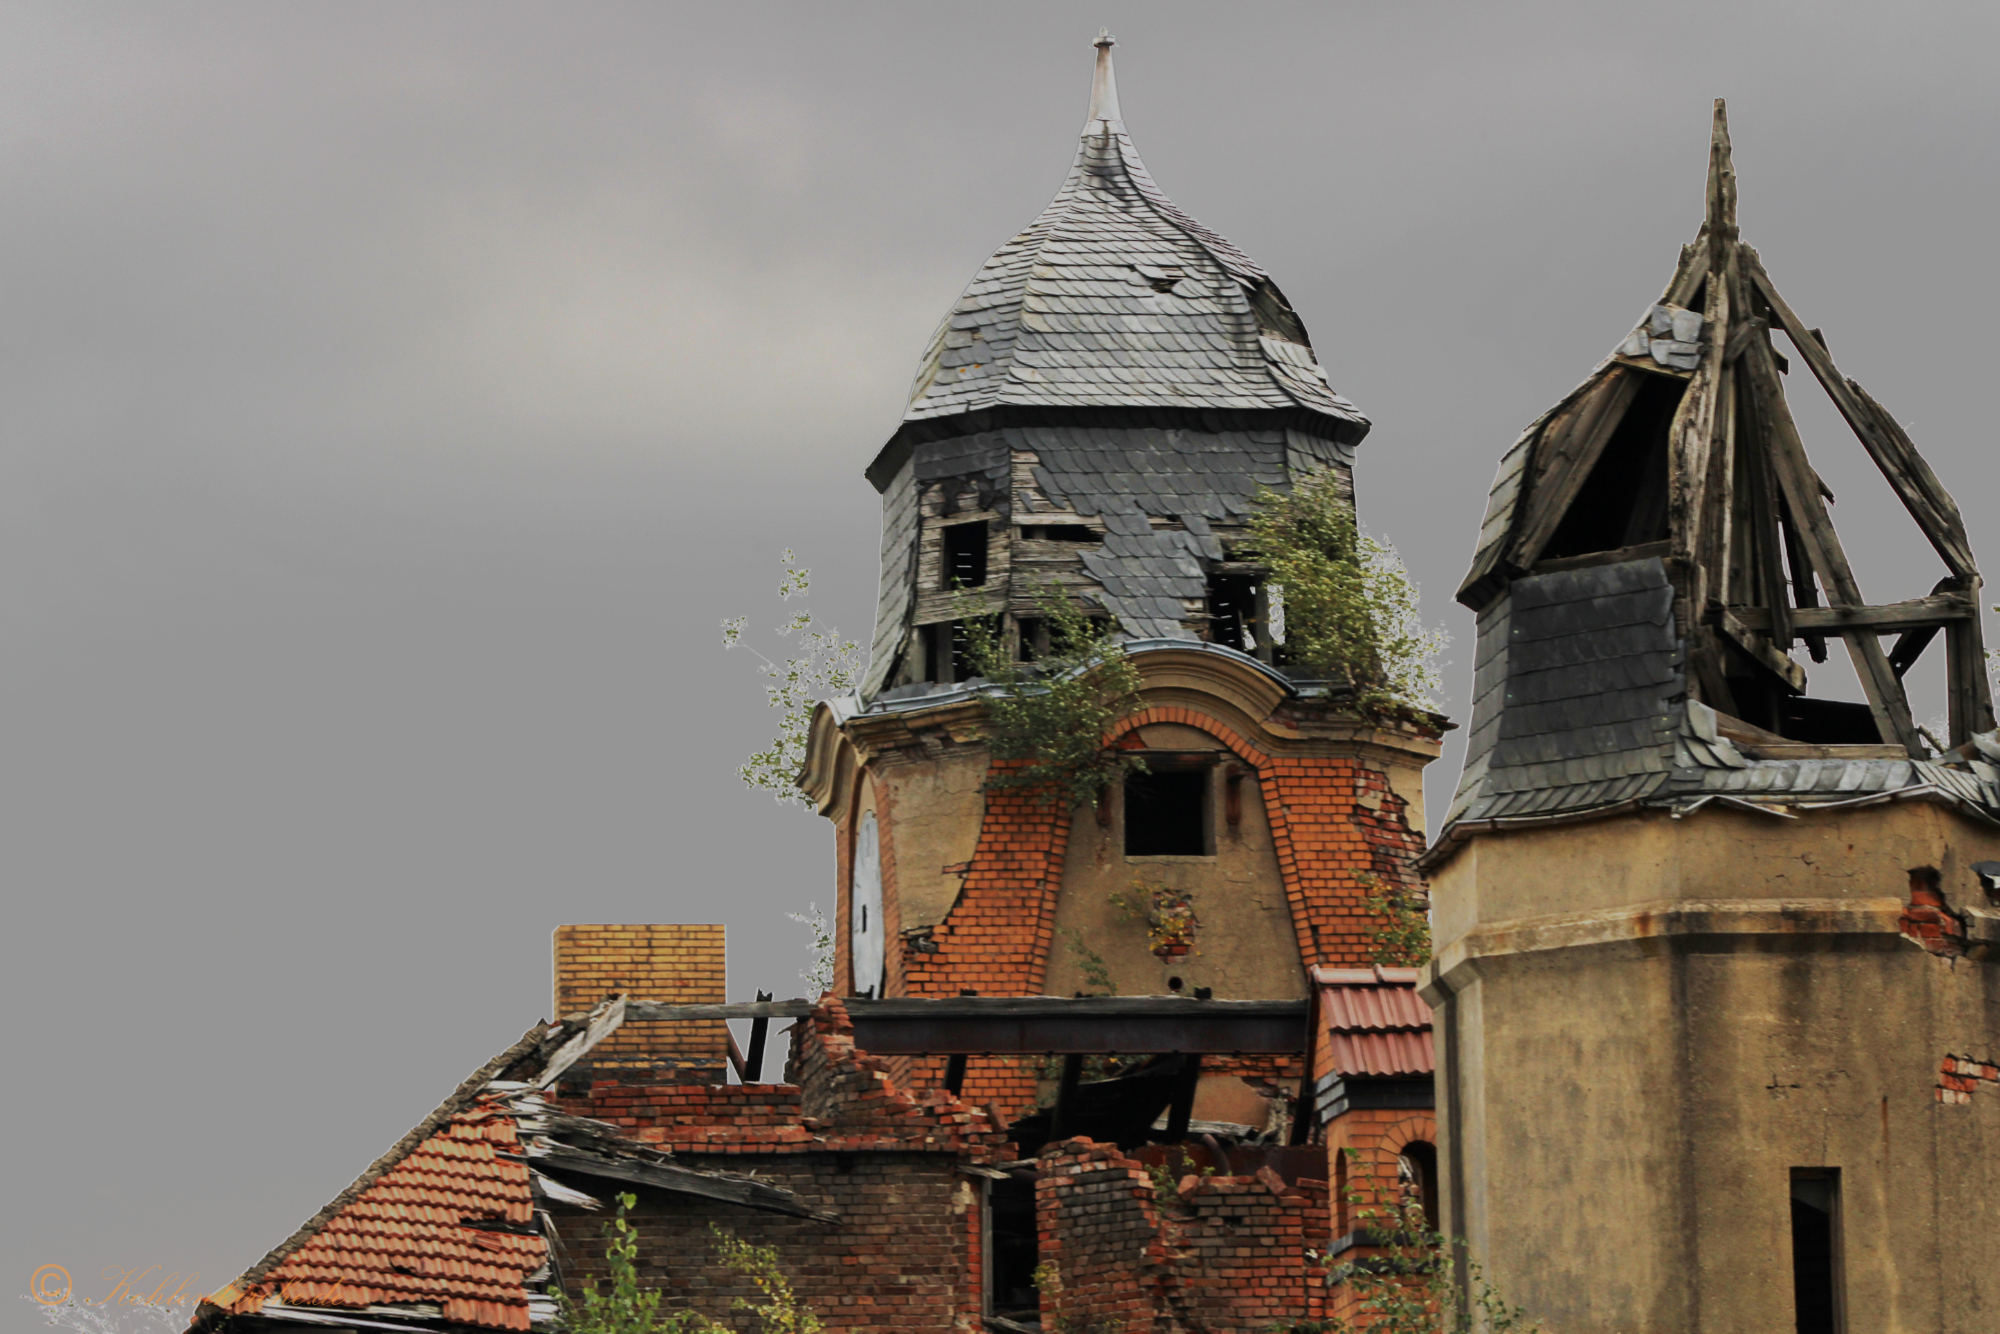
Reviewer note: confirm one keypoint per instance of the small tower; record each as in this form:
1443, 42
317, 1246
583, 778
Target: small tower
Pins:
1097, 415
1717, 1007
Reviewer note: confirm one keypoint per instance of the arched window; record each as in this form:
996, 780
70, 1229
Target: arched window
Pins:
1416, 1175
864, 910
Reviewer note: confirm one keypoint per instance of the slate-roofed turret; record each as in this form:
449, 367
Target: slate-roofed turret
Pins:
1655, 547
1113, 297
1106, 399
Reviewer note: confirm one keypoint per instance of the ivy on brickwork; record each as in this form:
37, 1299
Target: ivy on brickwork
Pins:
1401, 934
1405, 1285
826, 666
1350, 609
1047, 719
627, 1308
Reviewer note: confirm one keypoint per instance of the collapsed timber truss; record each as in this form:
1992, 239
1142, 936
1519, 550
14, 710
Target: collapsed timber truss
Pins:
1680, 446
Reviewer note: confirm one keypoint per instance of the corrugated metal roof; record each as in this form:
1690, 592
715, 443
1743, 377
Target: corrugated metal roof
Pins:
1113, 297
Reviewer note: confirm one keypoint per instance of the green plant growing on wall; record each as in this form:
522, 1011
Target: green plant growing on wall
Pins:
825, 666
1169, 915
1096, 972
628, 1308
1350, 609
779, 1312
1047, 719
1166, 1186
1401, 934
1407, 1285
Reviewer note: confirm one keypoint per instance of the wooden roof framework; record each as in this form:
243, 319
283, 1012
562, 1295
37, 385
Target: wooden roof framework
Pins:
1747, 539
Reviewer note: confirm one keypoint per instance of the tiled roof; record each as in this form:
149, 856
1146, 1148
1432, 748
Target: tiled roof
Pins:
434, 1223
1113, 297
1376, 1023
414, 1235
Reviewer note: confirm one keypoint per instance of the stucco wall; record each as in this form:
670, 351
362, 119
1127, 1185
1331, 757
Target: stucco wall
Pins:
1246, 945
1649, 1022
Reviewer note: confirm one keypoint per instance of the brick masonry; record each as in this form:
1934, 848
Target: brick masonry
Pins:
674, 963
906, 1251
1219, 1254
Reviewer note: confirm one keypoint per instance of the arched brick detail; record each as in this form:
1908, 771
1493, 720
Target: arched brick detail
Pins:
1336, 824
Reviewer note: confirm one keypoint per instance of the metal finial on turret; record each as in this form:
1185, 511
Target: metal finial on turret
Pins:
1104, 87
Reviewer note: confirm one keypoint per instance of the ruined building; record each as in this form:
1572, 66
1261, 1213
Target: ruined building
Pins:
1716, 1002
961, 1139
1097, 415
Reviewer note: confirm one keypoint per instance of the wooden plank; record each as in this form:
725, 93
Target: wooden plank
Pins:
1801, 491
602, 1021
658, 1012
1564, 455
1690, 441
1759, 651
1909, 647
682, 1180
1892, 450
760, 1030
1643, 551
1889, 618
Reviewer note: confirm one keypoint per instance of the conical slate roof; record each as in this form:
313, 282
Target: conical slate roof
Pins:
1113, 297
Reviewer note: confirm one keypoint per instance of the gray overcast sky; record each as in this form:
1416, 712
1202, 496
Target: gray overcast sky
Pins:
393, 398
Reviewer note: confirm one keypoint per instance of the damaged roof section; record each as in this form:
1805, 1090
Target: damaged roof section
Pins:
1656, 549
449, 1229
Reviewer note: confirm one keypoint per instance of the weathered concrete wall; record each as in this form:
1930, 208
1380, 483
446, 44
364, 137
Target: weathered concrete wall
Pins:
1646, 1023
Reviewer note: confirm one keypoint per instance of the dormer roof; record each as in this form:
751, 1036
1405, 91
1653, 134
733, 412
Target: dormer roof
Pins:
1114, 297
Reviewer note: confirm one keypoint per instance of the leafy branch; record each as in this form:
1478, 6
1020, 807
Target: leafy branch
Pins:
1047, 719
826, 666
1350, 607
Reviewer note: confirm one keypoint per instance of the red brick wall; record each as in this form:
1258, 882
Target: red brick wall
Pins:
906, 1251
675, 963
897, 1259
1228, 1256
997, 936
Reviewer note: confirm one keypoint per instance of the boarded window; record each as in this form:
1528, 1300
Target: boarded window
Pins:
965, 555
1166, 811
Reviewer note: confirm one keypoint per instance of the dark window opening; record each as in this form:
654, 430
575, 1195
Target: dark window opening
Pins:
1827, 722
1166, 813
1816, 1249
965, 555
1416, 1174
1034, 645
1623, 503
1060, 532
1010, 1280
945, 652
1232, 611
